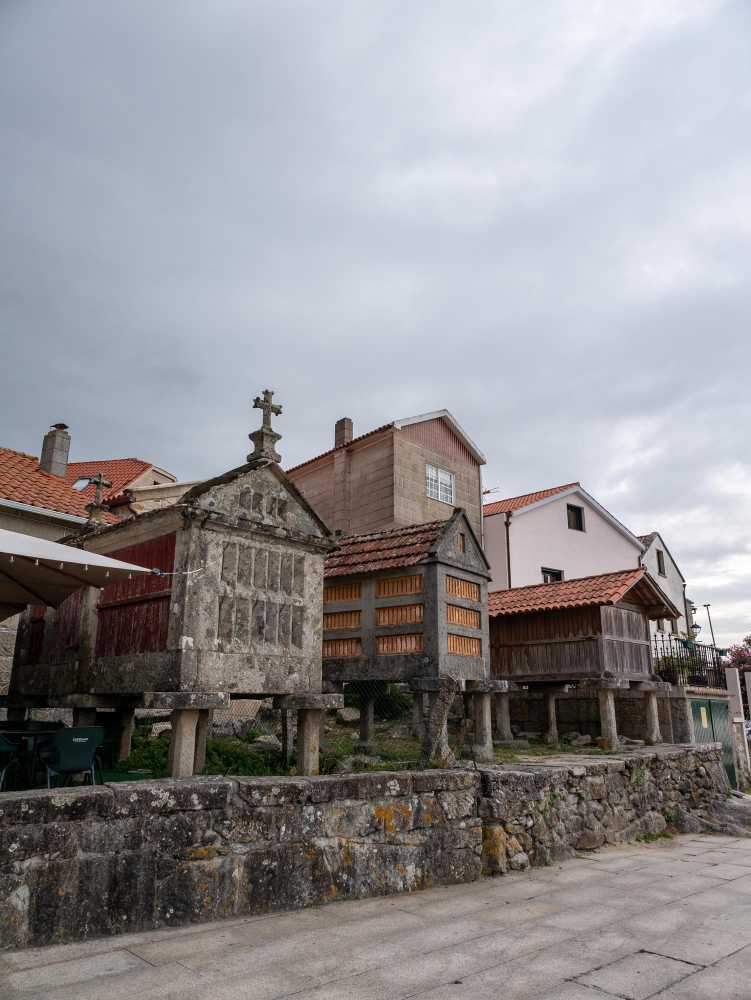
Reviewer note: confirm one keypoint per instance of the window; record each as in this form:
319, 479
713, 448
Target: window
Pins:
461, 542
661, 562
660, 624
440, 484
81, 484
575, 517
674, 626
551, 575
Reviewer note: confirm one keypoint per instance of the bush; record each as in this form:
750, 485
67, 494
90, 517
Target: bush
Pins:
389, 701
224, 755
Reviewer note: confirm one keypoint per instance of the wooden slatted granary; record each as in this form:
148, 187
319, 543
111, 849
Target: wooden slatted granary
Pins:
407, 605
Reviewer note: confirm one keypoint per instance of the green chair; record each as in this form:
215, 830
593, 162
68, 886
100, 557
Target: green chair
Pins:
68, 752
9, 757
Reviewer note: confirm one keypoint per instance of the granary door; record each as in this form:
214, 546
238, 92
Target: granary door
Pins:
712, 725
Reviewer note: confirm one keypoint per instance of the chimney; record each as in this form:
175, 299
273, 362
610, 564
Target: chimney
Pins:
55, 448
342, 432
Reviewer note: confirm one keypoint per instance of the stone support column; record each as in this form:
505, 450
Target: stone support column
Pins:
552, 734
308, 736
126, 718
83, 718
202, 732
182, 751
682, 717
482, 744
289, 720
417, 726
652, 733
436, 748
367, 717
503, 717
608, 727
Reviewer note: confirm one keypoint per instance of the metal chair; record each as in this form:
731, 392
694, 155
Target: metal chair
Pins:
71, 751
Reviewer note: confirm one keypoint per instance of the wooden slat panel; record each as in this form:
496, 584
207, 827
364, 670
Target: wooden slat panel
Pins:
342, 619
401, 614
464, 645
134, 614
462, 616
463, 588
341, 647
68, 621
390, 644
342, 592
397, 586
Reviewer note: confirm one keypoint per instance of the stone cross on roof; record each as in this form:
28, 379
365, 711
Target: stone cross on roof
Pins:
265, 438
95, 508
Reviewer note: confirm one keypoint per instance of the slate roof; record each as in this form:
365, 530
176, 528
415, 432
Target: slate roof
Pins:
516, 503
22, 481
585, 591
393, 549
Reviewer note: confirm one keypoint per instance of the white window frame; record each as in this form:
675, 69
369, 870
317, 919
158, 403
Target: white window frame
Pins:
440, 484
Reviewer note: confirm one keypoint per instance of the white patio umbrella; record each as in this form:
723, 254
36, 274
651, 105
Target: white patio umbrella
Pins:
35, 571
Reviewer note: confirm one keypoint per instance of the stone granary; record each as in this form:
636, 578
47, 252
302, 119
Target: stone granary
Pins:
410, 605
592, 632
233, 610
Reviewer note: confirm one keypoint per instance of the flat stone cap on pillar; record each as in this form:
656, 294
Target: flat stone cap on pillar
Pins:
185, 699
314, 700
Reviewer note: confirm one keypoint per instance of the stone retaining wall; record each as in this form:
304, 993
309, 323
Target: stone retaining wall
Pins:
79, 863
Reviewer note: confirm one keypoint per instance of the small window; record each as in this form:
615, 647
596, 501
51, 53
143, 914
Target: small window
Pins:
461, 542
660, 624
575, 517
674, 626
551, 575
440, 484
661, 562
81, 484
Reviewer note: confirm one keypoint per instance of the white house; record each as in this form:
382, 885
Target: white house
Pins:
658, 560
554, 534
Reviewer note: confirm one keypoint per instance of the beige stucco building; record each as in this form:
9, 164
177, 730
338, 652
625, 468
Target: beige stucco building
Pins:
410, 471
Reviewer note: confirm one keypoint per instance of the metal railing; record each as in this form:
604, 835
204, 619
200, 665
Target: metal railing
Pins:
688, 663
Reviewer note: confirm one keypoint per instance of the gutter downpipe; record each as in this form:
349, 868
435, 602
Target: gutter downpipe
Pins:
508, 548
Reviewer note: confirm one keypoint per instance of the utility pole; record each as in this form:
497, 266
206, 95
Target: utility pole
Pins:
707, 606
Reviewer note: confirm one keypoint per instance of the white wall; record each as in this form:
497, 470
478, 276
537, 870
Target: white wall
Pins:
541, 537
671, 584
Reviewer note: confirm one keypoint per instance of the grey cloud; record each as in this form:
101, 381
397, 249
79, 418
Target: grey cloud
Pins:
534, 215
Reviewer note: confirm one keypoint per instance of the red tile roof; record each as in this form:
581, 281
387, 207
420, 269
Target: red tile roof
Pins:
22, 481
361, 437
516, 503
384, 549
607, 588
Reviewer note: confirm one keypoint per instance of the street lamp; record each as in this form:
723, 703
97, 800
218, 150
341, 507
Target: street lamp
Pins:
707, 606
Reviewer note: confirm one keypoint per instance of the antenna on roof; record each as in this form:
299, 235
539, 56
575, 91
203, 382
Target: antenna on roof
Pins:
493, 489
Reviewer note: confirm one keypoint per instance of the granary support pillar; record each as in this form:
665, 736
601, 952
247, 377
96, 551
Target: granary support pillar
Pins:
310, 708
552, 733
482, 745
289, 728
182, 750
652, 734
608, 726
367, 721
503, 733
126, 718
417, 725
202, 732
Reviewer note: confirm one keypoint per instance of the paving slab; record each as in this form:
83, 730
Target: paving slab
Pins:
670, 920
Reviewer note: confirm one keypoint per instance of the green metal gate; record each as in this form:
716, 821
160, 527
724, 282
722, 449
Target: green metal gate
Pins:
712, 725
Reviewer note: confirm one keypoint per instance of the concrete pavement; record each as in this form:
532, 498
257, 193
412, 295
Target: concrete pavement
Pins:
670, 920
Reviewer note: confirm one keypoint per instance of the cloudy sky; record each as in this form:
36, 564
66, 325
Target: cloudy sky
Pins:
537, 215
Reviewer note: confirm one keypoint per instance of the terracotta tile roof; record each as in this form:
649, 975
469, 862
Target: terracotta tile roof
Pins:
22, 481
607, 588
360, 437
384, 549
516, 503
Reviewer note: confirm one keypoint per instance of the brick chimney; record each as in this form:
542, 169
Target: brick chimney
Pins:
342, 432
55, 448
